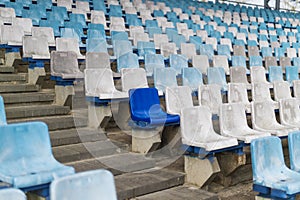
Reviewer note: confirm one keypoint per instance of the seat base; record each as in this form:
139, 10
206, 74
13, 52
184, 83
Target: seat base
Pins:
272, 193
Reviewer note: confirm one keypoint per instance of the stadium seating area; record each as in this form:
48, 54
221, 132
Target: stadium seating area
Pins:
227, 75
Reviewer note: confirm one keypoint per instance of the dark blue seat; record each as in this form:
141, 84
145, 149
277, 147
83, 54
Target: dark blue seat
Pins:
145, 108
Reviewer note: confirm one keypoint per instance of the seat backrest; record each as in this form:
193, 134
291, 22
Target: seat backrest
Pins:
153, 61
96, 60
35, 47
96, 45
12, 193
84, 185
178, 98
44, 32
266, 51
188, 49
192, 78
289, 111
99, 81
221, 61
260, 92
11, 35
167, 49
216, 75
178, 62
294, 151
255, 61
2, 113
159, 39
68, 44
263, 114
238, 75
291, 73
63, 62
270, 61
238, 61
207, 49
121, 47
281, 90
129, 60
164, 77
133, 78
145, 48
267, 157
275, 74
258, 74
232, 117
237, 93
26, 23
201, 62
210, 96
284, 61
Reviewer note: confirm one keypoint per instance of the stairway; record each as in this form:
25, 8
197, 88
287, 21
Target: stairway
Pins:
74, 144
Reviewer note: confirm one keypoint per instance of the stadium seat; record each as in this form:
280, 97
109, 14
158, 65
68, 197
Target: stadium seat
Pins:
261, 92
35, 48
192, 78
140, 37
233, 123
281, 90
271, 178
210, 96
221, 61
188, 49
99, 83
164, 77
2, 113
145, 108
178, 98
25, 23
132, 78
96, 60
68, 44
45, 32
160, 39
270, 61
85, 185
293, 141
291, 73
12, 35
178, 62
12, 193
237, 93
216, 75
64, 64
153, 61
145, 48
96, 45
166, 49
201, 62
34, 165
128, 60
121, 47
239, 75
275, 74
264, 119
289, 112
197, 130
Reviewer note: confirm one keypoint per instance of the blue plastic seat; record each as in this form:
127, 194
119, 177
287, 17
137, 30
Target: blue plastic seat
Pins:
128, 60
116, 35
252, 43
279, 52
255, 61
178, 39
53, 24
122, 47
192, 77
164, 77
270, 174
38, 8
224, 50
85, 185
77, 27
133, 20
17, 6
45, 3
275, 73
178, 62
153, 61
229, 35
30, 161
96, 45
95, 34
71, 33
266, 51
145, 108
216, 75
115, 11
2, 112
197, 41
99, 5
12, 193
273, 38
238, 61
145, 48
294, 144
151, 23
291, 73
79, 18
56, 17
60, 11
26, 3
158, 13
33, 15
207, 49
153, 30
296, 61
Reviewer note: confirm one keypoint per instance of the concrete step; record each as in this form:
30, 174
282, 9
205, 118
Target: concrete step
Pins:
81, 151
9, 88
16, 112
131, 185
28, 98
57, 122
179, 193
6, 69
75, 136
118, 163
13, 78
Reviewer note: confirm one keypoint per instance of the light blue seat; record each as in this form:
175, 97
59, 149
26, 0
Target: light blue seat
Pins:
252, 43
89, 185
57, 17
170, 33
26, 3
39, 8
296, 61
158, 13
145, 48
216, 75
294, 151
18, 6
133, 20
60, 11
255, 61
116, 35
178, 39
270, 174
96, 33
238, 61
197, 41
54, 24
192, 77
96, 45
153, 30
229, 35
45, 3
207, 49
33, 15
99, 5
275, 73
79, 18
2, 112
115, 11
30, 161
153, 61
279, 52
99, 27
12, 193
151, 23
224, 50
273, 38
291, 73
121, 47
178, 62
128, 60
71, 33
164, 77
266, 51
145, 109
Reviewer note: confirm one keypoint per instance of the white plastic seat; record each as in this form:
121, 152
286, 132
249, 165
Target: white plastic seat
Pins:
203, 34
83, 5
65, 3
35, 47
135, 29
264, 119
64, 64
12, 35
213, 41
25, 23
166, 49
160, 39
7, 14
133, 78
96, 60
261, 92
99, 83
44, 32
291, 52
237, 93
98, 17
282, 90
258, 75
289, 112
188, 49
221, 61
201, 62
187, 33
68, 44
12, 193
178, 98
226, 41
85, 185
233, 123
210, 96
140, 37
197, 130
296, 88
239, 75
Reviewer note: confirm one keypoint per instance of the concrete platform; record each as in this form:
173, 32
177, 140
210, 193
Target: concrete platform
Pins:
28, 98
179, 193
8, 88
6, 69
20, 78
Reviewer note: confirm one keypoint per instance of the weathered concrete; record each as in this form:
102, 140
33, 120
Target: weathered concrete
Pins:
11, 57
62, 94
35, 74
6, 69
13, 78
7, 88
98, 116
28, 98
200, 172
